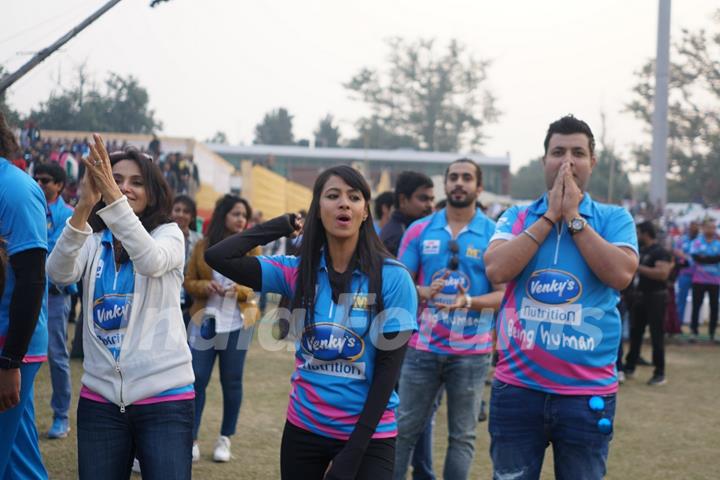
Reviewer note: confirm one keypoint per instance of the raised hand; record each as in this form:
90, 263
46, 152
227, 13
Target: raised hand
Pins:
98, 165
428, 293
555, 196
459, 302
89, 194
572, 195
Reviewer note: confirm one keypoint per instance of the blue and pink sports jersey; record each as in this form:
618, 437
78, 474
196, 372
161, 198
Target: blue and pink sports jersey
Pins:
559, 327
335, 355
706, 273
684, 243
23, 226
425, 250
112, 303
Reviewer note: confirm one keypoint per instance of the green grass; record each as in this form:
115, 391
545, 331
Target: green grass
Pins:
667, 432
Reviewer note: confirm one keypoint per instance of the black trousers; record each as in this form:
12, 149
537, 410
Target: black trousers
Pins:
698, 295
648, 310
305, 456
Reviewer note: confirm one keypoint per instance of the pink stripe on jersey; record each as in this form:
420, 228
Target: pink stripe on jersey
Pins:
35, 358
294, 417
511, 355
26, 358
411, 234
519, 224
289, 273
85, 392
302, 388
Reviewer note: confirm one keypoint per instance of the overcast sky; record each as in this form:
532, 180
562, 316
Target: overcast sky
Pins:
214, 65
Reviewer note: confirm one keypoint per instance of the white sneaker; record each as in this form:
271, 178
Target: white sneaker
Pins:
195, 452
222, 449
136, 465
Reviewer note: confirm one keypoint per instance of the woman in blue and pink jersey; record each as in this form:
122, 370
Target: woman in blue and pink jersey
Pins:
137, 394
353, 310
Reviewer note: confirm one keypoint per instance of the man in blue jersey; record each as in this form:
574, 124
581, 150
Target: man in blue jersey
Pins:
705, 251
565, 257
685, 262
51, 179
23, 314
451, 349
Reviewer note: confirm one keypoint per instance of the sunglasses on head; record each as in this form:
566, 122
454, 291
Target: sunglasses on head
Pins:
44, 180
454, 262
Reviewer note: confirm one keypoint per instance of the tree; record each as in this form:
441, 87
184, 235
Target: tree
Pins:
122, 106
599, 186
436, 98
327, 134
693, 116
219, 137
529, 181
12, 116
275, 129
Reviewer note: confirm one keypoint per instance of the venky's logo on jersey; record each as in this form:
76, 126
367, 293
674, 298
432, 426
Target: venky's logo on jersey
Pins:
553, 287
330, 341
111, 311
454, 280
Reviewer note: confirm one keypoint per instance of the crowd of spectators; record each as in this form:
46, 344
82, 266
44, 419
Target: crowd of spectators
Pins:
178, 168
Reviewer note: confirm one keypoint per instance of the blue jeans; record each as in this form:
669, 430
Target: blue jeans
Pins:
231, 348
523, 422
422, 453
159, 435
684, 283
19, 451
58, 357
422, 376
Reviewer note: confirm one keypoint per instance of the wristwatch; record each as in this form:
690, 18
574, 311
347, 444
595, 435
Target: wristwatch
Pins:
576, 225
6, 363
468, 300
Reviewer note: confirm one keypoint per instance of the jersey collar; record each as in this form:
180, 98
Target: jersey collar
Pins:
439, 221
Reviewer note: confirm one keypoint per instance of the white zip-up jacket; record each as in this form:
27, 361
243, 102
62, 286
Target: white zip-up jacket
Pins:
155, 355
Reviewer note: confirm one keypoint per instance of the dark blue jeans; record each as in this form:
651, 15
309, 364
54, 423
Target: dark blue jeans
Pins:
523, 422
231, 349
58, 356
159, 435
422, 465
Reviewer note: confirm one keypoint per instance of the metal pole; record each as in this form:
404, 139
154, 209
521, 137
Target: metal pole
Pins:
658, 159
8, 80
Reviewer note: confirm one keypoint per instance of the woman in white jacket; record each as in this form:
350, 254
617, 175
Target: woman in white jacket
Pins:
137, 394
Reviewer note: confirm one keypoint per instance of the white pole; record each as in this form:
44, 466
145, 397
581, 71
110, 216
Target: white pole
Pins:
658, 158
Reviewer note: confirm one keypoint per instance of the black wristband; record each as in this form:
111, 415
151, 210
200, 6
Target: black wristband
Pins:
6, 363
547, 219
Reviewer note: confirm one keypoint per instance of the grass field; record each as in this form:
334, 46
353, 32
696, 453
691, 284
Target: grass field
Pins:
666, 432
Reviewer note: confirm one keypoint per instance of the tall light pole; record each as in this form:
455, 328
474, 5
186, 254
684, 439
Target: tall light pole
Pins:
658, 158
8, 80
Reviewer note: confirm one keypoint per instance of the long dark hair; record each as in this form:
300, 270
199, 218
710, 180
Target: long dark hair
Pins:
370, 252
159, 195
216, 230
191, 206
8, 143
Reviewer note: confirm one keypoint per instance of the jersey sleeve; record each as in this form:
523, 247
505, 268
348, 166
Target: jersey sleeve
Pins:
620, 229
24, 223
279, 274
400, 300
409, 252
504, 226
